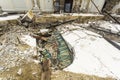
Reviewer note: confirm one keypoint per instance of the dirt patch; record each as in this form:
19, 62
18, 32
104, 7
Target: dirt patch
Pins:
62, 75
30, 71
27, 70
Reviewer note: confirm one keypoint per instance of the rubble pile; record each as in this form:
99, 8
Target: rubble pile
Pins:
22, 46
107, 29
63, 46
94, 55
3, 27
107, 26
16, 52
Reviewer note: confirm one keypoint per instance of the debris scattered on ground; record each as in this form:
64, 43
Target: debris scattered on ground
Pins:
62, 45
65, 46
108, 27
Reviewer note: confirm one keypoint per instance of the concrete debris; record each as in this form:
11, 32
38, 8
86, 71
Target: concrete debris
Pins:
104, 31
55, 49
62, 46
27, 39
28, 15
13, 43
27, 18
104, 25
19, 47
43, 31
37, 61
19, 72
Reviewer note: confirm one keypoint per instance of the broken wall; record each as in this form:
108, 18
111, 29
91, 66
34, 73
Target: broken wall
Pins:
87, 5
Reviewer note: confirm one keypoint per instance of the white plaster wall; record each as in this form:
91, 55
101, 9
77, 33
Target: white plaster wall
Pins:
15, 5
88, 6
46, 5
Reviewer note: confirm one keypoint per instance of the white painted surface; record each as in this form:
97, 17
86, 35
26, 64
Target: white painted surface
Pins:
29, 40
115, 28
46, 5
112, 27
93, 54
